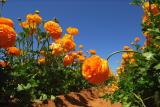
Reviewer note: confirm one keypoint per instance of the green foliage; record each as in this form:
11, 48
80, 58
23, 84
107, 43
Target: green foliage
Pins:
139, 84
25, 80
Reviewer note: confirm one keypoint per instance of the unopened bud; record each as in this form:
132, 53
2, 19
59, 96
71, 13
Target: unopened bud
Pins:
37, 12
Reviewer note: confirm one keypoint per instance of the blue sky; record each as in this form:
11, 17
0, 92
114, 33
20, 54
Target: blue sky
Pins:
104, 25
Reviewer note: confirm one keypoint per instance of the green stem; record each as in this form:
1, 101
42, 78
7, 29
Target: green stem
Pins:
120, 52
139, 98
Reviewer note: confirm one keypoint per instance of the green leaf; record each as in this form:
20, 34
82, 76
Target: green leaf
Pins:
157, 67
53, 97
43, 97
148, 55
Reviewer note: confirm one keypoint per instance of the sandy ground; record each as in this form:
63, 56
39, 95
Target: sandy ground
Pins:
85, 98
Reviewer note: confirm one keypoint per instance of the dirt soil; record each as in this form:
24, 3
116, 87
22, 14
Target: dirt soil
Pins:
85, 98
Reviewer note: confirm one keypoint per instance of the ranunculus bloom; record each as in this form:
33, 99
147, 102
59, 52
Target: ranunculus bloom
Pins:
42, 52
81, 58
68, 45
6, 21
41, 60
80, 52
68, 60
24, 25
93, 52
120, 69
7, 36
136, 39
3, 64
146, 6
154, 9
72, 30
132, 60
81, 46
34, 18
125, 56
54, 29
145, 18
95, 70
13, 51
57, 49
126, 48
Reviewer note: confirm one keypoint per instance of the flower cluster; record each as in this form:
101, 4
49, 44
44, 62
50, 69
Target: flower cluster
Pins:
7, 33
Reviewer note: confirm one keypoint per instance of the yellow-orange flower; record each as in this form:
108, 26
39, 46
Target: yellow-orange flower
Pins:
93, 52
74, 55
146, 6
54, 29
132, 61
34, 18
68, 45
136, 39
81, 46
125, 56
3, 64
81, 58
120, 69
6, 21
80, 52
57, 49
41, 60
147, 35
24, 25
42, 52
154, 9
67, 36
72, 30
13, 51
68, 60
145, 18
7, 36
95, 70
126, 48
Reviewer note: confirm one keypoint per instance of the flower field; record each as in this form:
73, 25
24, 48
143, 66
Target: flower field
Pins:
43, 61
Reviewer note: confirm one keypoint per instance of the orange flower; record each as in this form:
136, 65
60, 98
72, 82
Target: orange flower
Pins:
154, 9
95, 70
80, 52
41, 60
81, 58
145, 18
126, 48
74, 55
125, 56
24, 25
54, 29
132, 61
93, 52
147, 35
68, 60
120, 70
56, 49
72, 30
34, 18
68, 45
42, 52
3, 64
6, 21
136, 39
13, 51
7, 36
123, 62
81, 46
67, 36
146, 6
